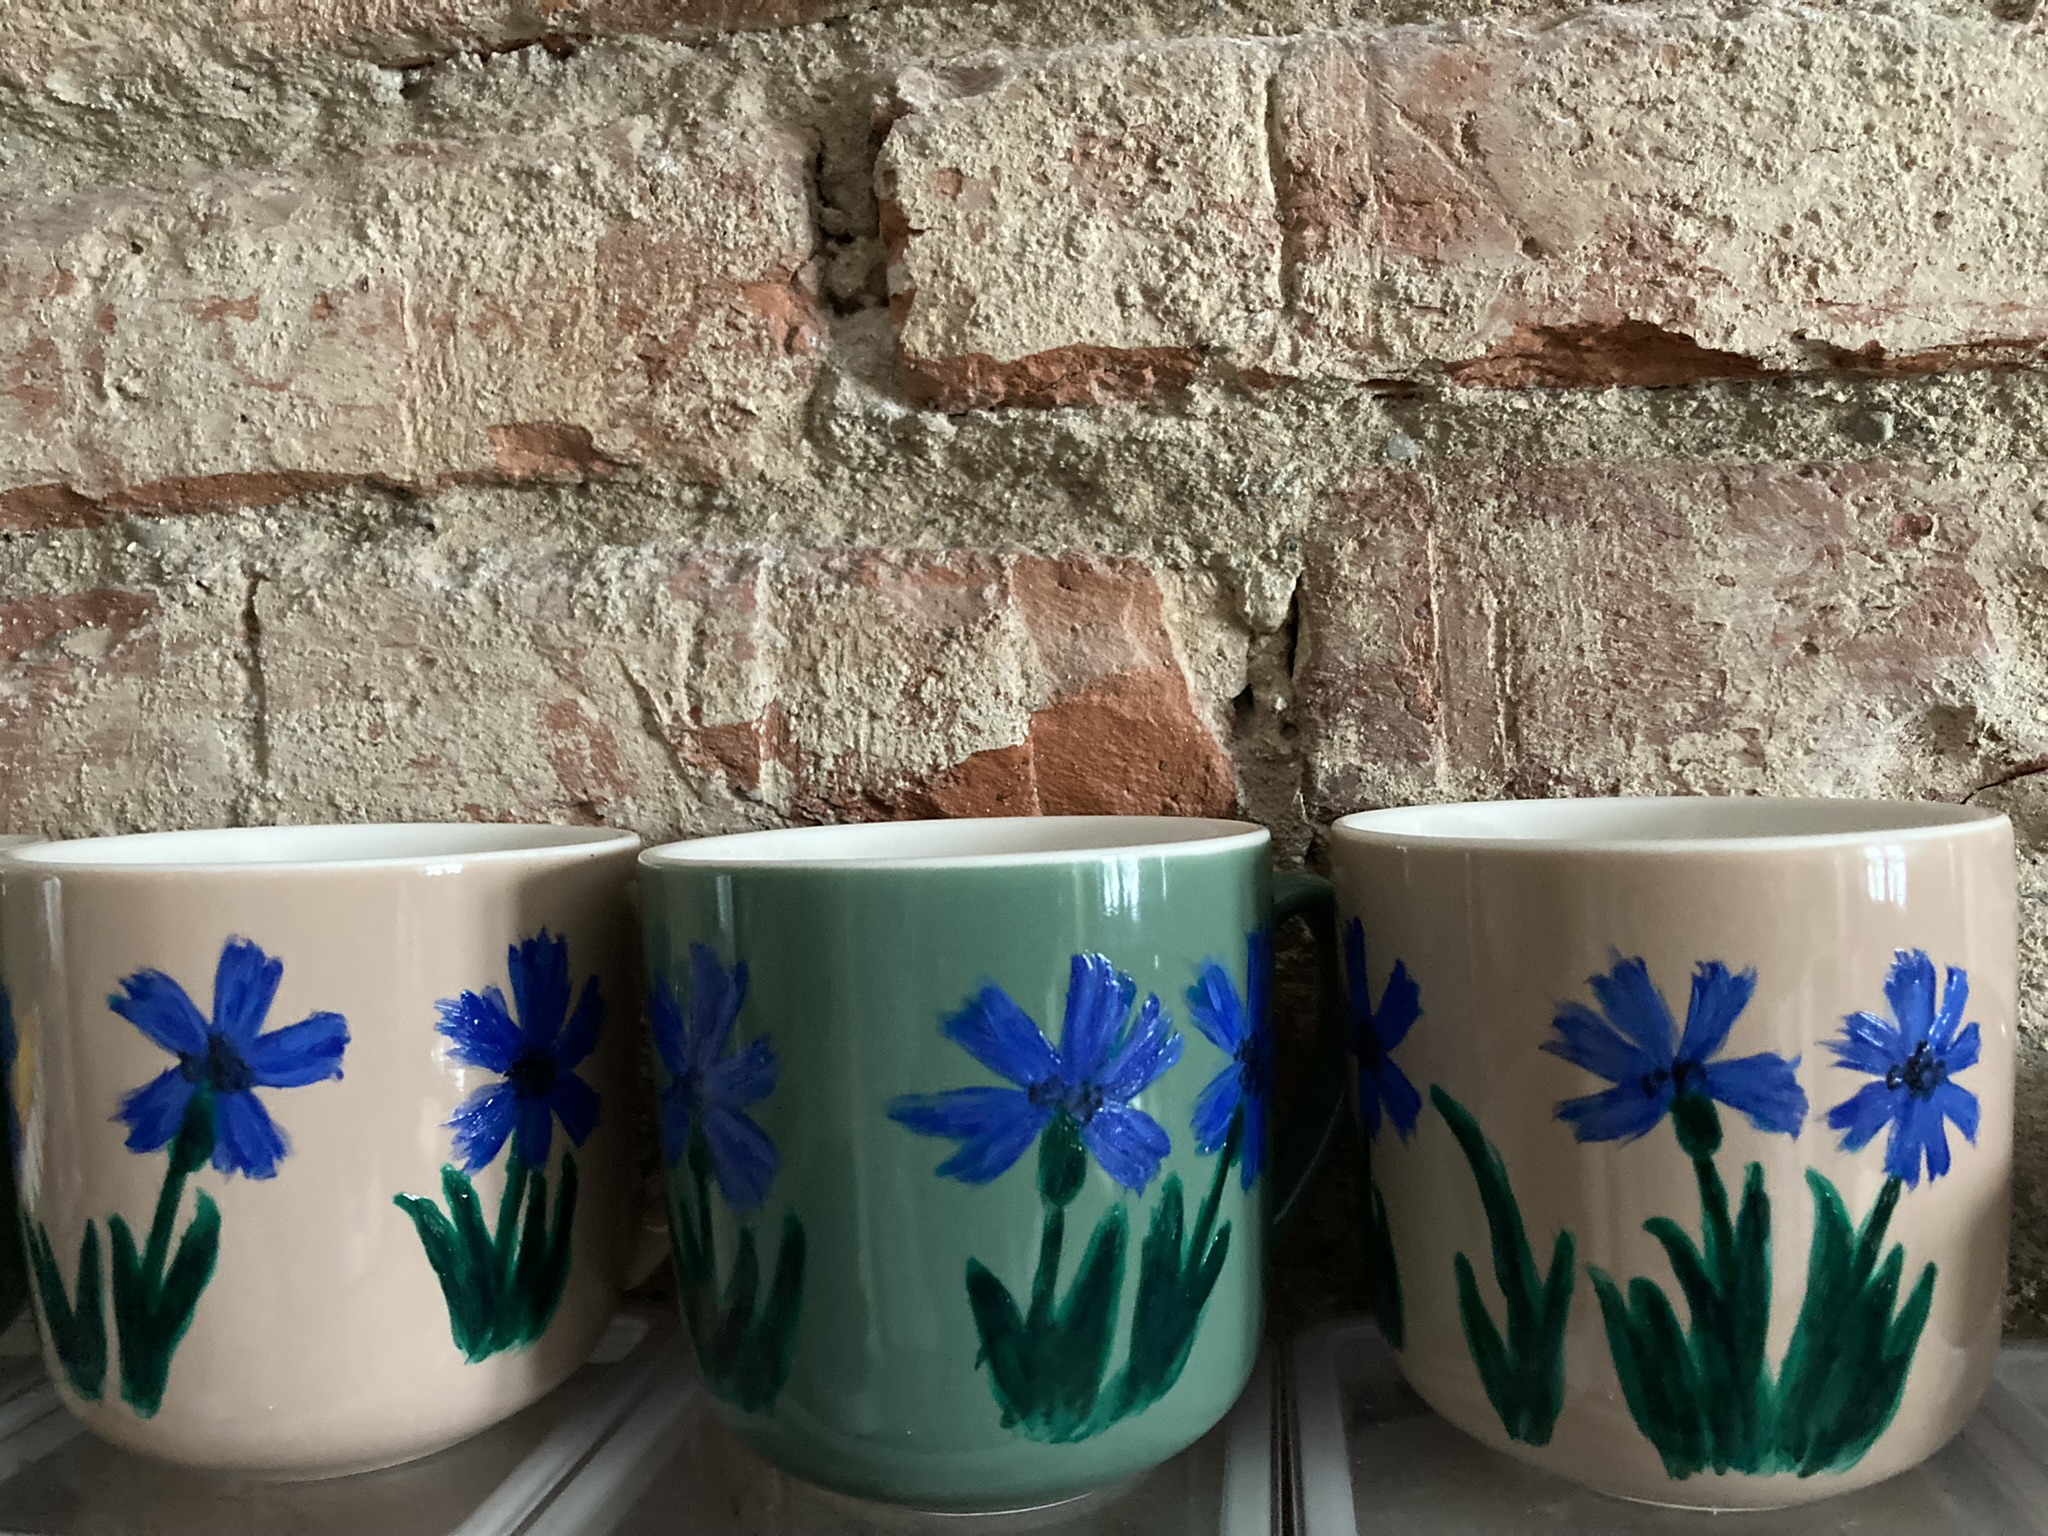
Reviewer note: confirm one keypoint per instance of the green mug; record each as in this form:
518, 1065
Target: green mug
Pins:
965, 1127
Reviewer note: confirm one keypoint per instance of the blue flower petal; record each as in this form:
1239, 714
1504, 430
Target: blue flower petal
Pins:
154, 1111
716, 996
244, 982
1635, 1007
1718, 996
1214, 1107
1099, 998
580, 1038
1151, 1047
1963, 1053
1402, 1102
1400, 1006
540, 985
1864, 1113
534, 1133
1252, 1160
1615, 1114
992, 1029
575, 1104
743, 1078
245, 1139
1910, 990
306, 1052
482, 1123
994, 1125
1917, 1133
1764, 1087
1955, 997
1869, 1044
1959, 1105
158, 1006
678, 1110
1588, 1041
480, 1028
1213, 1005
665, 1019
742, 1157
1128, 1143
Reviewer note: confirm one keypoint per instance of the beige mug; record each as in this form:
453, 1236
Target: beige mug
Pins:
326, 1152
1689, 1127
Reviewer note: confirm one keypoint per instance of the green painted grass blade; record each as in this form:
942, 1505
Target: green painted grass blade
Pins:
1005, 1342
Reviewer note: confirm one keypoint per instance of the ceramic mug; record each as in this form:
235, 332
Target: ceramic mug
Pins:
325, 1153
13, 1261
1691, 1129
965, 1126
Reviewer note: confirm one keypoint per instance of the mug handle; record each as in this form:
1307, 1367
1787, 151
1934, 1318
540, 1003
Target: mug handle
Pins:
1304, 1132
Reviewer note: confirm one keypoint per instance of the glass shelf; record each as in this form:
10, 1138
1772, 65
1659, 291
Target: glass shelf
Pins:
1369, 1457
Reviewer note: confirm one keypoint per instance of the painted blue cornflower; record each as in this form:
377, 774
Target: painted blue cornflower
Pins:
225, 1059
1238, 1027
708, 1090
1912, 1056
534, 1055
1375, 1032
1105, 1058
1634, 1043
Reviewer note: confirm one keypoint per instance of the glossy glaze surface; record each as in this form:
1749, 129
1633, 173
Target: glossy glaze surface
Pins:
322, 1341
856, 953
1623, 1026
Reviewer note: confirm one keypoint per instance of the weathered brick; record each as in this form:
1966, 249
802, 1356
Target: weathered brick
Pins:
506, 310
1637, 197
120, 707
1656, 628
58, 33
733, 689
1079, 228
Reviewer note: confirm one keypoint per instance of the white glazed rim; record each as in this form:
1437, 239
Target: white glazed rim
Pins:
1666, 824
965, 842
379, 845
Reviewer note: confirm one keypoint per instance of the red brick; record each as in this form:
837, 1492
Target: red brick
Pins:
1629, 196
117, 710
808, 685
406, 320
1600, 628
1079, 228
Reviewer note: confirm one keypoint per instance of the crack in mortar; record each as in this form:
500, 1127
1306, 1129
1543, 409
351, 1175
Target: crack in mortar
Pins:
652, 724
2032, 768
256, 696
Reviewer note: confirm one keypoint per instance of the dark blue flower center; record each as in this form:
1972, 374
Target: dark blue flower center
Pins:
1920, 1073
1080, 1100
221, 1068
1683, 1076
1254, 1068
532, 1075
1369, 1053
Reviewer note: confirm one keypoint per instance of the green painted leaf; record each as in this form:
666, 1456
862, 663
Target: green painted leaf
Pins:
77, 1329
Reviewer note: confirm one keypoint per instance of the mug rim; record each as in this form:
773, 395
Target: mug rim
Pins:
946, 843
434, 846
1627, 824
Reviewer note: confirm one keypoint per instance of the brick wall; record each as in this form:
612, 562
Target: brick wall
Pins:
706, 414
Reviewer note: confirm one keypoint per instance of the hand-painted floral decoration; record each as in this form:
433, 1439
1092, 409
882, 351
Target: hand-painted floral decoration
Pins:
1240, 1028
709, 1088
534, 1056
225, 1058
1105, 1059
1634, 1043
1912, 1058
503, 1284
1375, 1032
745, 1335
